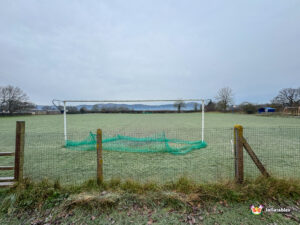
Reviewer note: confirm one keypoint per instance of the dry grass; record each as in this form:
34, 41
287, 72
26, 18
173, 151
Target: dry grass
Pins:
180, 202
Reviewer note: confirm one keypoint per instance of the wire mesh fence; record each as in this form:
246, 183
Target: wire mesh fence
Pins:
277, 148
46, 156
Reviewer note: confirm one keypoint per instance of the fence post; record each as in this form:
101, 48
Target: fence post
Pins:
19, 150
99, 157
238, 154
255, 159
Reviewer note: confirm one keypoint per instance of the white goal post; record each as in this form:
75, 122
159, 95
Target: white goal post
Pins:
132, 101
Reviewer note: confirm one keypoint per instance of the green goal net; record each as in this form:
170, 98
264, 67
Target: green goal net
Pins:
157, 143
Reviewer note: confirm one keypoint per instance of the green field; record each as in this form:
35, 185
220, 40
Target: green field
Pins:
88, 122
274, 139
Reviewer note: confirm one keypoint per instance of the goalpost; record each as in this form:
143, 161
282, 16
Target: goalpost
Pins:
130, 101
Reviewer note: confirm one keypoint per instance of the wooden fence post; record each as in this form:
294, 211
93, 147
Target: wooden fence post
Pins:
255, 159
19, 150
238, 153
99, 157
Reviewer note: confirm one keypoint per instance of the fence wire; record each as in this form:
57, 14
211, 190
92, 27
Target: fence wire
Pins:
277, 148
46, 157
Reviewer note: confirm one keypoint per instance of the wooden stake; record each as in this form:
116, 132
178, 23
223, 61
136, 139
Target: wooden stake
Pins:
255, 158
99, 157
238, 153
19, 150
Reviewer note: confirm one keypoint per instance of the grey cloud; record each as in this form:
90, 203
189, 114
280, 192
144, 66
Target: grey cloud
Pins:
149, 49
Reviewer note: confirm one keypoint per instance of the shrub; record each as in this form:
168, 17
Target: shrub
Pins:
248, 108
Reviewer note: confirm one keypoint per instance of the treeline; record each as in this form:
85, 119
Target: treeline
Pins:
245, 107
287, 97
13, 101
96, 109
116, 109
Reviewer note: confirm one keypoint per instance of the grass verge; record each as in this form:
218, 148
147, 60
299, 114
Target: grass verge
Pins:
129, 202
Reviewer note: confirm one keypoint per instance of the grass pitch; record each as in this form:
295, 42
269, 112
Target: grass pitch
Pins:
274, 139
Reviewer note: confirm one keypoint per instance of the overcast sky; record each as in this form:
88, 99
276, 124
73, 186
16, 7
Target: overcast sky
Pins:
137, 49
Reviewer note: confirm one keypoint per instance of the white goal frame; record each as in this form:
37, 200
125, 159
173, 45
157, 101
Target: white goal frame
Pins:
125, 101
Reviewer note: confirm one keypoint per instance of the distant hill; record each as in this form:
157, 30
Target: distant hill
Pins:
136, 107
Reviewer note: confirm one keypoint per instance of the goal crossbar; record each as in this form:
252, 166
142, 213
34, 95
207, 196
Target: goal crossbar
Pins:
119, 101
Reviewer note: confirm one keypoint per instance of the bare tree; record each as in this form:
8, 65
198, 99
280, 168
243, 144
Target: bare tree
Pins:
179, 105
224, 98
13, 99
288, 97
